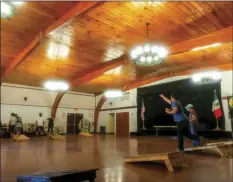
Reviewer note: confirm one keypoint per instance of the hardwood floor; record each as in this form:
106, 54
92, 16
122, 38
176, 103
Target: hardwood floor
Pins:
106, 152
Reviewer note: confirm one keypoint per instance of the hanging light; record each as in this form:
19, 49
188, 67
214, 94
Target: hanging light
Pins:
56, 85
8, 8
206, 77
113, 93
148, 54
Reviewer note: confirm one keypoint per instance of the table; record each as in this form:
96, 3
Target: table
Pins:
162, 127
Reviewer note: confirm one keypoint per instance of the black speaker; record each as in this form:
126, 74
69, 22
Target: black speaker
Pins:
60, 176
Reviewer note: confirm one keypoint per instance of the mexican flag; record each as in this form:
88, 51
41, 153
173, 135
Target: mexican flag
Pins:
216, 109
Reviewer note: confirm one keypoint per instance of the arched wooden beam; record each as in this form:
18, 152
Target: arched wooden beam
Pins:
77, 9
222, 36
89, 75
56, 103
97, 111
147, 81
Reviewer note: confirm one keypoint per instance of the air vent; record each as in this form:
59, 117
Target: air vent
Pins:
126, 96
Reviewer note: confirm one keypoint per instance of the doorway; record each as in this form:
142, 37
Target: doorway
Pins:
73, 120
122, 124
111, 119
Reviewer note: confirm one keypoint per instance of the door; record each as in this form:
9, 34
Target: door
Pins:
122, 124
73, 120
111, 123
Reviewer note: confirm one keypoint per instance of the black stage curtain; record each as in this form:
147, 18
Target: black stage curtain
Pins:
201, 96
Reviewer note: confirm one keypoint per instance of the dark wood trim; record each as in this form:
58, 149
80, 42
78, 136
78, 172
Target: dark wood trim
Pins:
43, 106
41, 89
119, 108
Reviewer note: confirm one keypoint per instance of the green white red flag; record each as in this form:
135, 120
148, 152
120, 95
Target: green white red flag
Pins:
216, 109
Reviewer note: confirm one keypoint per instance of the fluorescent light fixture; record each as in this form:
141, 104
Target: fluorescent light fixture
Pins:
6, 10
59, 51
18, 3
211, 75
113, 93
207, 46
56, 85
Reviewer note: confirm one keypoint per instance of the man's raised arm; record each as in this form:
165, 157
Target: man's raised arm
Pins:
165, 98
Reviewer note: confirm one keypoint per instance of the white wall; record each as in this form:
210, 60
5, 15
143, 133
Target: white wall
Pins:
40, 100
128, 101
226, 88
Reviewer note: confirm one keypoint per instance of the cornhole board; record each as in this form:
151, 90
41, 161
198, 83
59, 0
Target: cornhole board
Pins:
219, 143
56, 137
171, 159
20, 138
85, 134
221, 149
226, 148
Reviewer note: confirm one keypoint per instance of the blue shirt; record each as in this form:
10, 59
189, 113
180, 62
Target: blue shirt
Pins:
179, 115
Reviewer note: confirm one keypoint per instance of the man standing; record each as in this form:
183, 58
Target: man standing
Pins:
180, 119
40, 125
12, 123
50, 125
193, 122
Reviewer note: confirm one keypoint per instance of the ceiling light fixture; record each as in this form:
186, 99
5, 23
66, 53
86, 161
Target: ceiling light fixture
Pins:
148, 54
56, 85
207, 46
58, 51
206, 77
113, 93
8, 8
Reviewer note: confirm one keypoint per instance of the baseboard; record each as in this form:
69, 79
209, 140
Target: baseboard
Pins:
228, 134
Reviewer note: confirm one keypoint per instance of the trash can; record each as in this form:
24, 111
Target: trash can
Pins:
102, 129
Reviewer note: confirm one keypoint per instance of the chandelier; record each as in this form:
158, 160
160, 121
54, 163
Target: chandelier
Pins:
148, 54
206, 77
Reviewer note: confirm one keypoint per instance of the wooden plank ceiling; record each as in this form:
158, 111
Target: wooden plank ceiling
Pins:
109, 30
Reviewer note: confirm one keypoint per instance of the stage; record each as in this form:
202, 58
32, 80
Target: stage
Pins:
172, 131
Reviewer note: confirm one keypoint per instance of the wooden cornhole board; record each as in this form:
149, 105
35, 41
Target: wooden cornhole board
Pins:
171, 160
56, 137
85, 134
20, 138
224, 149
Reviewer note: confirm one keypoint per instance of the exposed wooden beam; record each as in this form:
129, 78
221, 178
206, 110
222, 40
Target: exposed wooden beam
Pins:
222, 36
149, 80
97, 70
89, 75
97, 111
77, 9
56, 103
